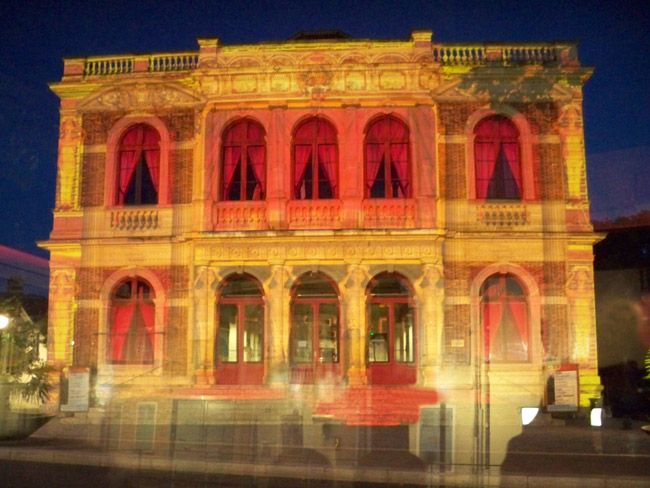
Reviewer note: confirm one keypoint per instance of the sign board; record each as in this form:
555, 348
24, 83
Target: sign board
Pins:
78, 390
565, 395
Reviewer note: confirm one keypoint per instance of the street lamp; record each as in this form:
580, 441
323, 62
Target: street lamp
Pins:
4, 321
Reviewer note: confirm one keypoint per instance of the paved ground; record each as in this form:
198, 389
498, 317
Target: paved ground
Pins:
573, 455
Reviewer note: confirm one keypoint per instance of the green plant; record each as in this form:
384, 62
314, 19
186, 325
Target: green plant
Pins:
20, 340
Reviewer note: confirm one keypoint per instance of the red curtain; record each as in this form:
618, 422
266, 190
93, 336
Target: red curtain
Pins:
327, 161
399, 160
492, 314
302, 158
518, 310
496, 137
374, 157
136, 141
231, 158
256, 169
152, 155
128, 161
485, 158
121, 322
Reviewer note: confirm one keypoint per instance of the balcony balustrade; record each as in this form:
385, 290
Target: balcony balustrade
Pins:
134, 219
314, 214
239, 216
393, 213
503, 215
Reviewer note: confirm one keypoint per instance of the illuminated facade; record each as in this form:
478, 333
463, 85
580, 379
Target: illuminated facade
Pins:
334, 232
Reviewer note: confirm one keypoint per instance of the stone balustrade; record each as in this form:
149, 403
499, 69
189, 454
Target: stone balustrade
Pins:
445, 54
107, 66
239, 216
134, 219
476, 55
389, 213
173, 62
503, 215
314, 214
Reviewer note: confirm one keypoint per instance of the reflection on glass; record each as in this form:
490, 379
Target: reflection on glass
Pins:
403, 333
253, 333
228, 318
303, 320
328, 344
378, 333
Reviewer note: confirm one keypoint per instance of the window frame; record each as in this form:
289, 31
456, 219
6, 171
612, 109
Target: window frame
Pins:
503, 299
386, 142
519, 121
392, 372
113, 154
240, 372
315, 142
244, 145
314, 370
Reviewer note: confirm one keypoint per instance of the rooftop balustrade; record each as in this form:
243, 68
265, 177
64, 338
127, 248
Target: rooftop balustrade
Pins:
445, 54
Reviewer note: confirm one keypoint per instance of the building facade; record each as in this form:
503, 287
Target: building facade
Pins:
321, 236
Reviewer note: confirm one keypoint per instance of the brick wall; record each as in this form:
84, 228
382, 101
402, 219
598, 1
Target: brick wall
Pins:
180, 164
92, 180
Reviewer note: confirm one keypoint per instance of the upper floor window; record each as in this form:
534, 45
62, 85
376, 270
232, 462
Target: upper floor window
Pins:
315, 160
497, 159
505, 319
138, 175
387, 159
132, 323
243, 155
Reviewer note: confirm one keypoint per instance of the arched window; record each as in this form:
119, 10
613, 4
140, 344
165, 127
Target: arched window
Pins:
504, 315
132, 323
391, 330
138, 172
315, 160
243, 155
315, 315
387, 159
497, 159
239, 353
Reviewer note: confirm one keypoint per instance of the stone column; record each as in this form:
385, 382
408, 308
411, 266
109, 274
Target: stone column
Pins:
277, 302
355, 330
71, 138
61, 317
203, 330
431, 293
582, 321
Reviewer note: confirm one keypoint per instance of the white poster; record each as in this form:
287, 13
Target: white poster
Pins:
566, 391
78, 391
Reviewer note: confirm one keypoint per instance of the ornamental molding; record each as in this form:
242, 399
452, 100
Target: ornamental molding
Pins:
317, 252
132, 97
475, 87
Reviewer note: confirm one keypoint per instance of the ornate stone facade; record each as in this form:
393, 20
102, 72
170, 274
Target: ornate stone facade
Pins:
435, 230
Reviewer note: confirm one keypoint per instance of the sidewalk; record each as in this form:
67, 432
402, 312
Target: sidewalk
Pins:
542, 456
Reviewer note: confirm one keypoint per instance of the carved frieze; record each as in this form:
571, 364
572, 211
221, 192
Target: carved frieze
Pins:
138, 96
310, 251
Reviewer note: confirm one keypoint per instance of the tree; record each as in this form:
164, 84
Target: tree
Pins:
20, 338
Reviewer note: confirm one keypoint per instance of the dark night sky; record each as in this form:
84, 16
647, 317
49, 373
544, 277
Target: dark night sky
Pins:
35, 36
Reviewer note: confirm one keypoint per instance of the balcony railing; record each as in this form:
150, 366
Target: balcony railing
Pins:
503, 215
239, 216
314, 214
135, 219
389, 213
